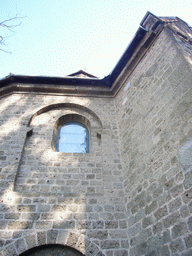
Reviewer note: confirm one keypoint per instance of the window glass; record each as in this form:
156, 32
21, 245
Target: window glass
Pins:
73, 137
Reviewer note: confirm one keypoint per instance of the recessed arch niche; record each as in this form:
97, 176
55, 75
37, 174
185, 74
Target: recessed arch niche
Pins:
44, 170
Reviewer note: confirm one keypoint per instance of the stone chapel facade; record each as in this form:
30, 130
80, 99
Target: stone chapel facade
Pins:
131, 192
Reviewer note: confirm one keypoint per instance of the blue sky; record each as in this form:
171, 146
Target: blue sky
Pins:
59, 37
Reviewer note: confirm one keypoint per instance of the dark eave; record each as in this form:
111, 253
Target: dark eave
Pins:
143, 37
50, 80
127, 55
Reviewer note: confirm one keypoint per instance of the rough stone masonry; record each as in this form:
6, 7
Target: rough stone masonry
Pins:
132, 193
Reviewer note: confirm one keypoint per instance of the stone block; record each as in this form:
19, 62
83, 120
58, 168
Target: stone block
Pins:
31, 241
187, 196
62, 236
188, 241
31, 216
184, 211
13, 216
171, 219
175, 204
23, 225
151, 208
187, 253
147, 221
64, 224
190, 223
121, 252
176, 191
157, 227
20, 245
177, 246
52, 236
83, 224
179, 229
26, 208
163, 251
134, 230
91, 250
111, 224
118, 234
99, 224
42, 225
166, 237
187, 183
122, 224
119, 216
43, 208
162, 212
41, 237
72, 239
125, 244
10, 250
98, 234
110, 244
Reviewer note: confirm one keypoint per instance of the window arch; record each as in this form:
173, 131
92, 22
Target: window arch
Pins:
71, 134
73, 137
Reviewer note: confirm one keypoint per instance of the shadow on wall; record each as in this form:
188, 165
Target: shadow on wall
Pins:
49, 198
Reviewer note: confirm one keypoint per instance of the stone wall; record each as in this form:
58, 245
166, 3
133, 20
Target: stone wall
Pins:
155, 117
52, 197
131, 194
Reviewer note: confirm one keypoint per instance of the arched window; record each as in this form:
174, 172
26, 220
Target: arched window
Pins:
73, 137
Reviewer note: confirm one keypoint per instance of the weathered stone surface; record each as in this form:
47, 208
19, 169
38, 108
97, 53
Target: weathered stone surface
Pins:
20, 225
98, 234
157, 227
110, 244
179, 229
41, 237
171, 219
120, 234
147, 221
52, 236
9, 250
92, 250
132, 193
42, 225
185, 157
188, 241
64, 225
31, 241
111, 224
152, 207
20, 245
177, 246
162, 212
98, 224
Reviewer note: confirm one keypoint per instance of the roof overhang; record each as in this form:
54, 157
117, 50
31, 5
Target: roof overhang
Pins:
149, 29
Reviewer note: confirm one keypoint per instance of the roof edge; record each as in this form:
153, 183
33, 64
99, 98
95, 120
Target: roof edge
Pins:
147, 31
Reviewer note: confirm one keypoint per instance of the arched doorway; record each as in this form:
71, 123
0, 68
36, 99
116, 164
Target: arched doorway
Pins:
52, 250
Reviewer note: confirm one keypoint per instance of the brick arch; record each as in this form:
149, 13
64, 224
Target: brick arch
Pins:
63, 238
64, 105
51, 249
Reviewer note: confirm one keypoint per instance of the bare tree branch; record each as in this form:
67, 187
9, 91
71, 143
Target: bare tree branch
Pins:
10, 25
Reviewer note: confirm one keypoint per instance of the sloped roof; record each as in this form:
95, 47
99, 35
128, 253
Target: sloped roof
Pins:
82, 82
82, 74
